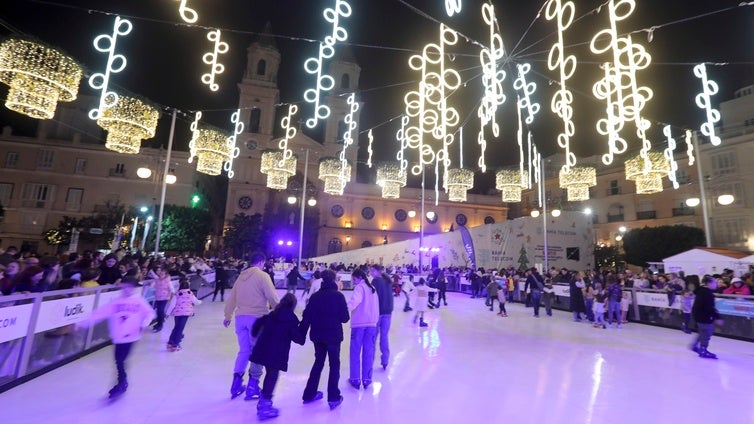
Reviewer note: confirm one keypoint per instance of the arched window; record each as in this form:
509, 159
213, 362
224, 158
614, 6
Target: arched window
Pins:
261, 67
366, 243
342, 128
334, 246
254, 120
345, 81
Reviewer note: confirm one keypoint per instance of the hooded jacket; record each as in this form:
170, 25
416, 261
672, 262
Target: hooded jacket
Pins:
275, 332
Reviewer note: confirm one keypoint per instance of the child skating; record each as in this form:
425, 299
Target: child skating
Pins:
181, 310
422, 300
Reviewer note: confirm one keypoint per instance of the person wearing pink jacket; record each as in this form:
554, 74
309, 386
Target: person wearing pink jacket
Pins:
182, 308
364, 306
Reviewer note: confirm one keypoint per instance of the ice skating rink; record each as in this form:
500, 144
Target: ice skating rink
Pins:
468, 366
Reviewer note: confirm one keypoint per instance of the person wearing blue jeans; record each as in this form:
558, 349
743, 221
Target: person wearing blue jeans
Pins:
252, 296
614, 295
381, 282
535, 283
364, 306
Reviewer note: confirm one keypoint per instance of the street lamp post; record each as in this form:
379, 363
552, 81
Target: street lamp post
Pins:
303, 208
705, 216
164, 185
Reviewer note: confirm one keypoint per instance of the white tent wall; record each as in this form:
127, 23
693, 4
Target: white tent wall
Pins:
701, 262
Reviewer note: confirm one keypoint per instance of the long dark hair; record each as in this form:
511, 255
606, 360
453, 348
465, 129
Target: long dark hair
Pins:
288, 302
361, 275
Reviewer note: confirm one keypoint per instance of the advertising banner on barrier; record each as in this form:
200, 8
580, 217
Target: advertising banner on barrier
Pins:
107, 297
735, 307
60, 312
564, 291
657, 300
14, 322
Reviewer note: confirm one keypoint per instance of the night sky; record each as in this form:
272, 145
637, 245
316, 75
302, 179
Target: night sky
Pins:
164, 59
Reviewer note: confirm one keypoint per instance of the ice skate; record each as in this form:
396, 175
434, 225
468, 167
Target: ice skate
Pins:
253, 391
704, 353
336, 403
265, 410
237, 387
422, 323
118, 389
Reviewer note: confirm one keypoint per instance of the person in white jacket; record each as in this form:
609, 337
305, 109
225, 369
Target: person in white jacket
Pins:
128, 315
364, 306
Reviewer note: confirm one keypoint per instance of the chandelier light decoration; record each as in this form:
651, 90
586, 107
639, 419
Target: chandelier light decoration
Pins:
668, 153
315, 65
209, 146
210, 58
127, 123
235, 119
369, 148
188, 14
647, 181
704, 101
335, 176
510, 183
452, 7
689, 147
38, 76
460, 180
278, 168
290, 132
350, 121
115, 63
391, 178
492, 79
577, 181
624, 97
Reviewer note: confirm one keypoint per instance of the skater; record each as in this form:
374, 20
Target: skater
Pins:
326, 313
442, 287
163, 291
706, 316
534, 283
408, 289
492, 288
598, 307
576, 289
128, 315
221, 281
501, 301
548, 294
422, 291
381, 282
293, 277
274, 333
614, 296
364, 306
251, 297
687, 302
312, 286
182, 308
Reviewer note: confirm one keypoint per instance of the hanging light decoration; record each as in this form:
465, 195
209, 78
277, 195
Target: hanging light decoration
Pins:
127, 123
510, 183
577, 181
278, 168
460, 180
391, 178
648, 180
211, 149
39, 76
335, 176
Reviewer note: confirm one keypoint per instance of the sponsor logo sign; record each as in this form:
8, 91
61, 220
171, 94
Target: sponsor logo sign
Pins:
60, 312
735, 307
14, 322
656, 300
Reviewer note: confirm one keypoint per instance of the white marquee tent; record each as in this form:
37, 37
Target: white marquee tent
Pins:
709, 260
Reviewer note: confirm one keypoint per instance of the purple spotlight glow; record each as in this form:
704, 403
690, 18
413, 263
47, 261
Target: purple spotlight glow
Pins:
289, 243
280, 242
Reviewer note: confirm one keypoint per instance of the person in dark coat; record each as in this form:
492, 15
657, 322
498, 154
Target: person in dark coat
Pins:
575, 288
534, 283
325, 313
221, 281
706, 316
109, 273
293, 278
275, 332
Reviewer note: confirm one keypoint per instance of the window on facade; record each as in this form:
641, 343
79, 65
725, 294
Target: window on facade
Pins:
613, 189
335, 246
342, 128
45, 159
261, 67
80, 166
73, 199
724, 163
120, 168
254, 118
11, 158
730, 231
37, 195
345, 81
6, 191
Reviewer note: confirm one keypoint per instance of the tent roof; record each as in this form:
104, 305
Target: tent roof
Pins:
732, 254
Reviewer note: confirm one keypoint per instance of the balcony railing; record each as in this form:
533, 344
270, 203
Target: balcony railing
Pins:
646, 215
114, 172
683, 212
615, 218
613, 191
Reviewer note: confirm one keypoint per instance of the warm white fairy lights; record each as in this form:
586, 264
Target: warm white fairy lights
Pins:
350, 121
492, 79
577, 181
370, 136
510, 183
315, 65
278, 168
689, 147
127, 123
526, 89
391, 178
452, 7
334, 174
704, 101
668, 153
115, 63
647, 180
235, 118
210, 58
211, 149
290, 132
563, 13
459, 182
38, 76
188, 14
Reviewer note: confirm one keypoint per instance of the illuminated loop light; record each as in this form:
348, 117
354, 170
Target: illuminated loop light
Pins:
194, 135
526, 89
212, 150
510, 183
563, 13
335, 176
668, 153
704, 101
238, 126
647, 181
188, 14
689, 147
577, 181
290, 132
492, 80
278, 168
459, 182
369, 148
452, 7
401, 136
536, 160
38, 76
350, 121
115, 63
612, 124
315, 65
127, 123
391, 178
210, 58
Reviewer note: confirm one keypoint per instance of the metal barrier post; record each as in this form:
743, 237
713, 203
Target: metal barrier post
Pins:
23, 361
637, 315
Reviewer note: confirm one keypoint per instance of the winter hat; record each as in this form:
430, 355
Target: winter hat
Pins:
736, 280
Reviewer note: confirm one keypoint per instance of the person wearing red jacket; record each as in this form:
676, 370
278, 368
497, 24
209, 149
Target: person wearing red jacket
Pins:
737, 286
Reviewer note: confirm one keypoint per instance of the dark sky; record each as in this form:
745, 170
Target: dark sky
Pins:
164, 57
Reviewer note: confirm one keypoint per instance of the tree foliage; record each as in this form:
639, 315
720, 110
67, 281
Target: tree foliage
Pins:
653, 244
184, 229
607, 257
245, 234
106, 220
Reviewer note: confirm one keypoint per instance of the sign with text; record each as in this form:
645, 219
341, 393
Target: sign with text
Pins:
735, 307
59, 312
14, 322
656, 300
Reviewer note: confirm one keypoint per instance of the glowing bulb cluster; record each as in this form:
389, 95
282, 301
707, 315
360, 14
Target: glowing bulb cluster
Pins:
210, 58
334, 174
526, 89
452, 7
278, 168
668, 153
577, 181
563, 13
115, 63
315, 65
38, 77
647, 180
704, 101
350, 121
290, 132
391, 178
510, 183
127, 123
188, 14
209, 146
459, 181
492, 79
238, 126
